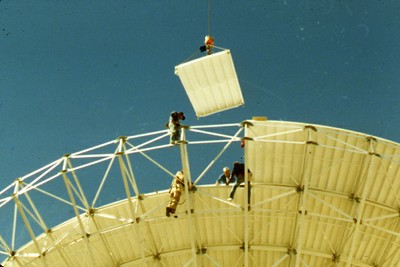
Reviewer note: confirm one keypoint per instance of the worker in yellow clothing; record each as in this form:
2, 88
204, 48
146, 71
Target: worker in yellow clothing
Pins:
177, 187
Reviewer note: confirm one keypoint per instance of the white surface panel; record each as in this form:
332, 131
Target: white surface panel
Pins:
211, 83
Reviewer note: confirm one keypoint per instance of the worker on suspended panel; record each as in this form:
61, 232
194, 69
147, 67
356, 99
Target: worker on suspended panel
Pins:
177, 187
174, 126
208, 44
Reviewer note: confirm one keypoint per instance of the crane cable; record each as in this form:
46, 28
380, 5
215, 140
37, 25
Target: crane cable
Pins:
208, 40
209, 16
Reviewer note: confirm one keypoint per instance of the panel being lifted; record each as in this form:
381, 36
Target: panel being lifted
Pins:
211, 83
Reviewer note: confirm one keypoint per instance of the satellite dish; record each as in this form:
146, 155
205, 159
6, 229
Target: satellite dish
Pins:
320, 196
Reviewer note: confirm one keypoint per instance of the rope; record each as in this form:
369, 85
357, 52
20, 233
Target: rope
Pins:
209, 16
192, 56
209, 29
196, 53
220, 48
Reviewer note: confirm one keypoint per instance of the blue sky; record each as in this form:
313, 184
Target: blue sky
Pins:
74, 74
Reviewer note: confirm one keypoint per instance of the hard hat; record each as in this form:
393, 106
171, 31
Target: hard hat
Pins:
179, 175
208, 40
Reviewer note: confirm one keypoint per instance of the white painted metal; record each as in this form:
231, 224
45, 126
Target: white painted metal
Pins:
211, 83
320, 196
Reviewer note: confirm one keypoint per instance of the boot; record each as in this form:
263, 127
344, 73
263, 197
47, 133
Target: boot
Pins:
168, 211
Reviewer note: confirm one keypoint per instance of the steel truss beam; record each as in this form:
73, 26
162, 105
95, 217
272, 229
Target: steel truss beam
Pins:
85, 210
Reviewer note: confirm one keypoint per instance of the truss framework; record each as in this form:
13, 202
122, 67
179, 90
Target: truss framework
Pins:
319, 196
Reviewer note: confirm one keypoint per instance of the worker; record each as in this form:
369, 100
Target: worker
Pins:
238, 172
174, 126
177, 187
224, 177
208, 44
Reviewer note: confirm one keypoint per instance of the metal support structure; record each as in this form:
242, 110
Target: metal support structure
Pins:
29, 228
156, 163
322, 208
132, 210
43, 225
341, 243
146, 225
188, 182
280, 260
359, 205
247, 201
85, 235
309, 148
383, 257
283, 195
103, 180
90, 210
232, 139
346, 216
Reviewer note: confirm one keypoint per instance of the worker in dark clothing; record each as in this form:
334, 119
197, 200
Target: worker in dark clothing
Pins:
238, 172
174, 126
